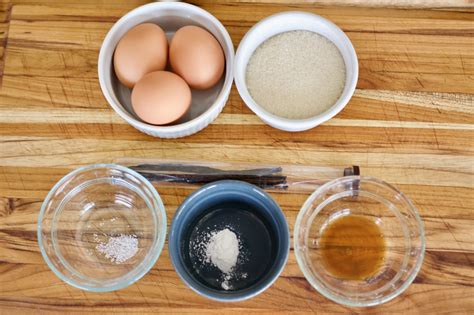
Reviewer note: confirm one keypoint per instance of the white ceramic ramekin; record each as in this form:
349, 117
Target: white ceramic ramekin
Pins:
206, 105
291, 21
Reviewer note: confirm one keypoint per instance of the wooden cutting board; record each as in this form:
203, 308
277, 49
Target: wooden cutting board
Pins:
410, 123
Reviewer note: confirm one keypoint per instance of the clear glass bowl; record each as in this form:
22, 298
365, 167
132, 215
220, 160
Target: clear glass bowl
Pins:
84, 216
398, 221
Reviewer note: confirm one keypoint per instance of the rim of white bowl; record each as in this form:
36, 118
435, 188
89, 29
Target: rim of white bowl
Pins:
153, 254
286, 123
197, 121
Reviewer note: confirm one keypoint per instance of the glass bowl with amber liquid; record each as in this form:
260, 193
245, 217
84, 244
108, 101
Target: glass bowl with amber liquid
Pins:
359, 241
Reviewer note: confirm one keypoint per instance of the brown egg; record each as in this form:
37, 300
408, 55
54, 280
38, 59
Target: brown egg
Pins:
142, 50
197, 57
161, 97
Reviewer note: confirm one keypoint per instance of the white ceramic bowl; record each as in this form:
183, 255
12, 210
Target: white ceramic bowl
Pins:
291, 21
206, 105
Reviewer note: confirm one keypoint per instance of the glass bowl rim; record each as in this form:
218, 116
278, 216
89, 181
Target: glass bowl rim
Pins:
316, 284
154, 251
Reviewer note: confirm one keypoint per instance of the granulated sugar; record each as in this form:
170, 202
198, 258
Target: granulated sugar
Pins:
119, 249
296, 74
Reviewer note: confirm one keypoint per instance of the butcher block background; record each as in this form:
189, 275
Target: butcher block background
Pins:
410, 123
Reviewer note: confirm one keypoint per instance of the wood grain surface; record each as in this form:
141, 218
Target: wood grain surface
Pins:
410, 123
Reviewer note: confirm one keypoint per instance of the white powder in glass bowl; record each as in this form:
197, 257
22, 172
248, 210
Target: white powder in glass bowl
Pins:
118, 249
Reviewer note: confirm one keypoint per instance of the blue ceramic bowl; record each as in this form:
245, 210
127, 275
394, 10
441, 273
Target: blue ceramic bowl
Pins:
200, 204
